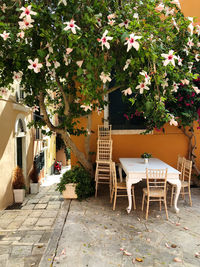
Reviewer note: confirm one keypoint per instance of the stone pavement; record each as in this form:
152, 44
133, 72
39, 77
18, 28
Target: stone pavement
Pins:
96, 236
50, 232
26, 230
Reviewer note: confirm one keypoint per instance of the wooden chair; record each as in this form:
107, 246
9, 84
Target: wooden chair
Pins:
104, 132
156, 188
103, 163
180, 164
119, 188
104, 150
185, 181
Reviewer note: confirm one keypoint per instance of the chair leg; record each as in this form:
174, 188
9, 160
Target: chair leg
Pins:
160, 204
96, 188
189, 192
115, 198
147, 210
111, 197
165, 203
143, 197
183, 193
133, 194
172, 194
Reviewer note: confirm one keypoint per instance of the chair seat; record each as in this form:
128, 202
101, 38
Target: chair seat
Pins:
155, 192
121, 185
184, 184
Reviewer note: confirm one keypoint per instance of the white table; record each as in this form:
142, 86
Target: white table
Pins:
135, 170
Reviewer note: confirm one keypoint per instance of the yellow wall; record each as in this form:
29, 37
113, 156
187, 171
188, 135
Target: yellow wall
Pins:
165, 146
8, 117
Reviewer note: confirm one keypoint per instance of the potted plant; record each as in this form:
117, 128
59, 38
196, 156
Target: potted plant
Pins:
34, 180
18, 184
146, 156
76, 183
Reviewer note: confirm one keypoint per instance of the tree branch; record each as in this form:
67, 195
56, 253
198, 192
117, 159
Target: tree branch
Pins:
87, 138
45, 114
66, 111
110, 90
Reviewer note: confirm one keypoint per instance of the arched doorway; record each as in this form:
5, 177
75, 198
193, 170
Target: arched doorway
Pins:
20, 143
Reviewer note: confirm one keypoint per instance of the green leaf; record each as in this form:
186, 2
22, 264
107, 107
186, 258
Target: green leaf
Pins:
79, 72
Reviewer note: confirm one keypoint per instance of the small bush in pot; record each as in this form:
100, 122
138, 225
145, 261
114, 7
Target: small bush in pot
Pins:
146, 155
18, 181
18, 184
85, 186
33, 176
34, 180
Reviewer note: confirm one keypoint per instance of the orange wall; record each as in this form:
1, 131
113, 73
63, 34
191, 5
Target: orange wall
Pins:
165, 146
191, 8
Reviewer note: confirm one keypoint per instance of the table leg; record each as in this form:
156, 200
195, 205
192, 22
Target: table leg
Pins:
178, 189
128, 186
120, 172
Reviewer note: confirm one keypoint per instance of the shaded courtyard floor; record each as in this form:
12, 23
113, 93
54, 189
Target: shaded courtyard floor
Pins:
49, 231
96, 236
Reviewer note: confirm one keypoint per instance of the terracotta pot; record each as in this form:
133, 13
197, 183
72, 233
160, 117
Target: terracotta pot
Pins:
19, 195
69, 192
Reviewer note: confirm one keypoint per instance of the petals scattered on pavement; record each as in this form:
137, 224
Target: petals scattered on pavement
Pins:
127, 253
166, 245
177, 259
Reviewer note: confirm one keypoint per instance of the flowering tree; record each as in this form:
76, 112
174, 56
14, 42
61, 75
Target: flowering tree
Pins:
63, 53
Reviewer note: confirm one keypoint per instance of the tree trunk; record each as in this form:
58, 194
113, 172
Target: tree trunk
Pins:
78, 154
191, 147
65, 136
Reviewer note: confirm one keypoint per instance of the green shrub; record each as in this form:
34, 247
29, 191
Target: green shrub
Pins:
85, 184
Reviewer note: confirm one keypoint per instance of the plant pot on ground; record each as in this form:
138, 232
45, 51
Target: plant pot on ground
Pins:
34, 180
18, 184
76, 181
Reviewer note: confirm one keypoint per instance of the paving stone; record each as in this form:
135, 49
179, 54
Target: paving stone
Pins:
40, 206
3, 259
29, 207
45, 222
20, 218
11, 238
5, 243
43, 200
41, 227
4, 249
36, 213
14, 225
33, 201
15, 262
53, 207
21, 250
31, 239
30, 221
49, 214
32, 260
45, 237
38, 249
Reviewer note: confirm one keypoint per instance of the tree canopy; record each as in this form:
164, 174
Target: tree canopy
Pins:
65, 53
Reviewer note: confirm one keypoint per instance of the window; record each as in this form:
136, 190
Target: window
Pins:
123, 116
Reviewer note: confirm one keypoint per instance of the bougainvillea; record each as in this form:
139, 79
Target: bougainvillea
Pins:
65, 53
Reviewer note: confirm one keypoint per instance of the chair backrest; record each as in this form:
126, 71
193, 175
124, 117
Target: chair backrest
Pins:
156, 178
104, 150
180, 164
104, 132
187, 170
